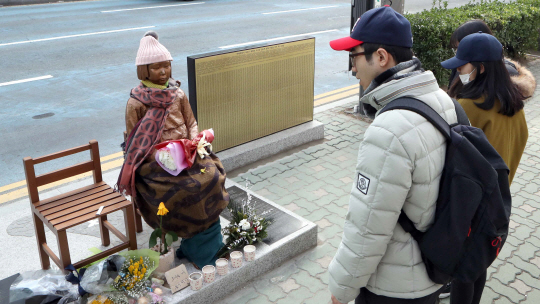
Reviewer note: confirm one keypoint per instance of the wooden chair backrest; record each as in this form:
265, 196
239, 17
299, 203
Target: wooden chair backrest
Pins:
33, 181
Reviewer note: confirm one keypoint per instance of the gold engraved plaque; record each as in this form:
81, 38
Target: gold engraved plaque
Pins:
251, 93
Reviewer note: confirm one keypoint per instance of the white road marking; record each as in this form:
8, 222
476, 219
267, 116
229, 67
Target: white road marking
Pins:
278, 38
298, 10
78, 35
25, 80
150, 7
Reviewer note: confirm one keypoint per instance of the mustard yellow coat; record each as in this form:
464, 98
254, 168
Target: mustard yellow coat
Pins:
508, 135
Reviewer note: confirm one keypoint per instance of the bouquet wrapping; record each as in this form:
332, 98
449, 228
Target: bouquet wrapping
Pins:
176, 155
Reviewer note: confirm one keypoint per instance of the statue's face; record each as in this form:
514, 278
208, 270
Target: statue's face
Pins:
159, 73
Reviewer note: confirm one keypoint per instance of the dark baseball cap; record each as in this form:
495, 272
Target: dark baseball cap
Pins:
381, 25
477, 47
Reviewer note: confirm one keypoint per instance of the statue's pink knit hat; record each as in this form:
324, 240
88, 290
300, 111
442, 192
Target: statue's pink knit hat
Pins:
151, 51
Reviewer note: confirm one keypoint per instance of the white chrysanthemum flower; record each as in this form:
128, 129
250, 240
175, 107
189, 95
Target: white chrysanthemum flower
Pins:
244, 224
166, 159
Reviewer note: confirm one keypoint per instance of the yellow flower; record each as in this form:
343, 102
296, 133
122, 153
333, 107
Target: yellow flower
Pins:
162, 210
203, 170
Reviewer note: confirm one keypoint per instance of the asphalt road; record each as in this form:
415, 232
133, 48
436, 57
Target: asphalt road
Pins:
87, 50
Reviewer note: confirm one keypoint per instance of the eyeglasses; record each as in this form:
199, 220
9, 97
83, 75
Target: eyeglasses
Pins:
351, 57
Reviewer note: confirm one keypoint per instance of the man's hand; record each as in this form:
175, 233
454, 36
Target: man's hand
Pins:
335, 301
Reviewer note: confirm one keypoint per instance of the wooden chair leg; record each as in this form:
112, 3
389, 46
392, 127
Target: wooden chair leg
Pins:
129, 218
41, 239
105, 236
63, 249
138, 221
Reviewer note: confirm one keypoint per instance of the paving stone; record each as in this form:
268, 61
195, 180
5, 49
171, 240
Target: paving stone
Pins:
270, 173
259, 185
488, 296
323, 223
335, 241
531, 188
503, 300
526, 251
289, 285
309, 206
242, 296
529, 280
296, 163
523, 232
271, 291
322, 250
282, 192
305, 156
292, 207
527, 208
308, 281
493, 268
310, 196
318, 215
525, 221
287, 199
531, 268
533, 297
323, 153
507, 291
262, 299
520, 286
506, 251
324, 261
292, 179
338, 211
331, 231
296, 296
507, 273
535, 261
311, 267
320, 192
514, 188
322, 296
302, 212
520, 212
514, 241
313, 149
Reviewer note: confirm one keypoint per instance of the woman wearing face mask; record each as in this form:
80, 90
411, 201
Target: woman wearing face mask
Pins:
494, 104
157, 111
519, 75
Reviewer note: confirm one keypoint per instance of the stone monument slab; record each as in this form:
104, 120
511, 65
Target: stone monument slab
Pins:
289, 236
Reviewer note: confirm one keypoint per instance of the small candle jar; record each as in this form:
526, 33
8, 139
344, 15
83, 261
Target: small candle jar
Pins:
236, 259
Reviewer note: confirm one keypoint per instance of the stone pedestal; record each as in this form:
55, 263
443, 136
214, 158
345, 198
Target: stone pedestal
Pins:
288, 236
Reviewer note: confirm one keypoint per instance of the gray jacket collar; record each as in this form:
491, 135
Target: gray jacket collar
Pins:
405, 79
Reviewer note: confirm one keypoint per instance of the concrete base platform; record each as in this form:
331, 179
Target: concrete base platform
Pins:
267, 257
267, 146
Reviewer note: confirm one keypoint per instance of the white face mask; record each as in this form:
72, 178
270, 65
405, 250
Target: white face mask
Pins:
465, 78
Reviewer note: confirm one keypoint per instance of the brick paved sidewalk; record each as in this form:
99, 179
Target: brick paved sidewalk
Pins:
315, 183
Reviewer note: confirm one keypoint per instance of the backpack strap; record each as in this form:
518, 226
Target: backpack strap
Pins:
419, 107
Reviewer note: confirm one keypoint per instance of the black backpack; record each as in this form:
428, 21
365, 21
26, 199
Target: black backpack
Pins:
474, 202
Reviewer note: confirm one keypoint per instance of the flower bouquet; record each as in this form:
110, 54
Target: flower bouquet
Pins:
245, 228
133, 277
176, 155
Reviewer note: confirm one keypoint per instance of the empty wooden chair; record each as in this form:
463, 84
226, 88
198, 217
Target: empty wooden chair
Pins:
76, 207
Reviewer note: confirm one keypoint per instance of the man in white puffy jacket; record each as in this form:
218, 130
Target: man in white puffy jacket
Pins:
400, 162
